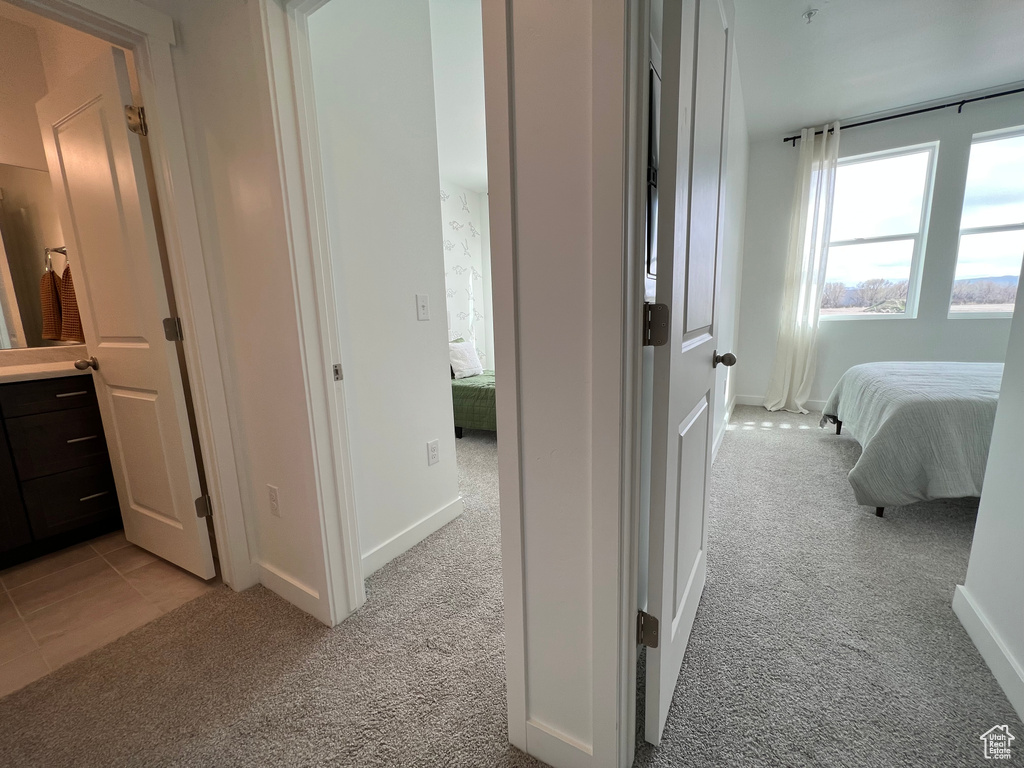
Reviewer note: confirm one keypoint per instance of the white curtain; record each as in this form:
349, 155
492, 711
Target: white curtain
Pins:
795, 355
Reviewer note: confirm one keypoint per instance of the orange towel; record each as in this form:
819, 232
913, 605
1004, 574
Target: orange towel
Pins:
49, 299
71, 321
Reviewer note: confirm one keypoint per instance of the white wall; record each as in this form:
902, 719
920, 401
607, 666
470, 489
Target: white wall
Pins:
991, 602
458, 61
843, 343
728, 311
375, 110
467, 280
225, 102
22, 84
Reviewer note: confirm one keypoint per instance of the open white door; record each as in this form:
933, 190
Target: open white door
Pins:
96, 166
692, 122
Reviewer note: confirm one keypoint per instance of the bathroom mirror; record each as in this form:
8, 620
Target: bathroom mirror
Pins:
28, 226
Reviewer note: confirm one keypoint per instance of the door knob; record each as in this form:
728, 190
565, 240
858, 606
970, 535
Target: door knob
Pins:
728, 359
84, 365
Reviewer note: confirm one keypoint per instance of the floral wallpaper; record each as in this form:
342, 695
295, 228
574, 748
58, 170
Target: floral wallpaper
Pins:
466, 268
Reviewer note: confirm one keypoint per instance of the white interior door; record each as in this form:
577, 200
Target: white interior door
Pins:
692, 122
96, 167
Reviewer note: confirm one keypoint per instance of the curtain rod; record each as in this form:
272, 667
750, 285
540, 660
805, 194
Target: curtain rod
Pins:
958, 104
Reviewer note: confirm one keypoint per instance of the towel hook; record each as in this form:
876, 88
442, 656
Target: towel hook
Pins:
49, 259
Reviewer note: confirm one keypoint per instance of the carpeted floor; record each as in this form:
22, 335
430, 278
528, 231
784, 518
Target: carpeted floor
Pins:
825, 637
416, 677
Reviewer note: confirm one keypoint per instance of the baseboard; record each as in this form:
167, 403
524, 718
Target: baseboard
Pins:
993, 650
748, 400
722, 428
381, 555
294, 591
551, 746
812, 405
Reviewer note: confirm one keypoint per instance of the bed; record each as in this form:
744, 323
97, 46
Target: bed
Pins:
924, 428
473, 399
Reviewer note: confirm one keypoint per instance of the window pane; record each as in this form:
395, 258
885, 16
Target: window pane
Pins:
995, 184
868, 278
877, 198
987, 271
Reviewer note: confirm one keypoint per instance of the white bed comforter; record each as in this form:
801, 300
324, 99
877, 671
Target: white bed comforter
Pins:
924, 428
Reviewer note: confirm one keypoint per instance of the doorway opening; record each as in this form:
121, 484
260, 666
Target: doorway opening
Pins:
403, 171
105, 508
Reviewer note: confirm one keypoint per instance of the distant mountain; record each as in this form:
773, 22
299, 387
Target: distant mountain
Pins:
1004, 280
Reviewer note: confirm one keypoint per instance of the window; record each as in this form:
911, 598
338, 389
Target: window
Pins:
991, 228
873, 262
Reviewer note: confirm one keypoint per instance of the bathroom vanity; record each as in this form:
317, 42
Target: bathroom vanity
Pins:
56, 485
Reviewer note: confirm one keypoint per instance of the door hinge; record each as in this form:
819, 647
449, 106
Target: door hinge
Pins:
652, 176
646, 630
204, 508
656, 327
136, 119
172, 329
337, 372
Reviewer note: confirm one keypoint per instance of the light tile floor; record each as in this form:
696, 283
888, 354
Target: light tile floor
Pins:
64, 605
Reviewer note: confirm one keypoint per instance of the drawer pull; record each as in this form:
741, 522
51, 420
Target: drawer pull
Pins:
81, 439
95, 496
73, 394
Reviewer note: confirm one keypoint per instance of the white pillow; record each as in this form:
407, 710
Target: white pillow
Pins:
464, 359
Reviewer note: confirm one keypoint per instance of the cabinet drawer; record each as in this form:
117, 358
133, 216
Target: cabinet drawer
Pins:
45, 395
48, 443
63, 502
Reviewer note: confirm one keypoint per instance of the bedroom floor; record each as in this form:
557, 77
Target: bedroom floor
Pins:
825, 637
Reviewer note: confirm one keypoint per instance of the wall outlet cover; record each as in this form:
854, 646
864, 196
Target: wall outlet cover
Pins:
275, 500
433, 453
422, 307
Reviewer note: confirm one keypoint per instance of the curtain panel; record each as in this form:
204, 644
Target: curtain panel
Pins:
810, 220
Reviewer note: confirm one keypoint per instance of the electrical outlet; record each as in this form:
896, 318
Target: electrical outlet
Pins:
422, 307
433, 453
275, 502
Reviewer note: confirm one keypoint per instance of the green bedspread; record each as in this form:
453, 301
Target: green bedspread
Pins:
473, 399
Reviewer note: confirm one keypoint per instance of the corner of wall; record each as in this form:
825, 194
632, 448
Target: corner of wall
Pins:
991, 646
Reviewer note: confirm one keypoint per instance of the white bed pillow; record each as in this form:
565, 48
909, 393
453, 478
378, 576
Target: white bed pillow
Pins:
464, 359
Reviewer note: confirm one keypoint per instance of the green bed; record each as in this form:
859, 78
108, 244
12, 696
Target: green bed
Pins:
473, 399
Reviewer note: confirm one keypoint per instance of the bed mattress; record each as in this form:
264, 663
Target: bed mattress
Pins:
924, 428
473, 401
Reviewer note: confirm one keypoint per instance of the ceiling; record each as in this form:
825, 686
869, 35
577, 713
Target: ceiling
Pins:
456, 36
858, 57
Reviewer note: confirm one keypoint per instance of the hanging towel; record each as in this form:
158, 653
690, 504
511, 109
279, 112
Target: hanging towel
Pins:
49, 300
71, 321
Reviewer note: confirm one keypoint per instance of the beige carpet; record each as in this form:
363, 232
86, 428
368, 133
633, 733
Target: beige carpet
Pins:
825, 637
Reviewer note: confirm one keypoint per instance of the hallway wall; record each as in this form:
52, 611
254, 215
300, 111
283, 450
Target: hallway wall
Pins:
374, 88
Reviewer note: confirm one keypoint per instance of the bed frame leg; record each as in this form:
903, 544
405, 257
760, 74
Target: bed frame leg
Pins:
458, 432
879, 511
839, 427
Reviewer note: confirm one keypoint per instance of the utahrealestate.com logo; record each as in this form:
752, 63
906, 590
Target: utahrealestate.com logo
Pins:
997, 742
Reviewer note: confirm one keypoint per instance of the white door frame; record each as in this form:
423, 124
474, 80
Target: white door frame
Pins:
149, 34
618, 183
285, 25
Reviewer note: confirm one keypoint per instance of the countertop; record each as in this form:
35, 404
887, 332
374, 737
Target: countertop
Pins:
40, 371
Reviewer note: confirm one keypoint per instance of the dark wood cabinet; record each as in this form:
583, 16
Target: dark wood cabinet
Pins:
14, 531
56, 485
